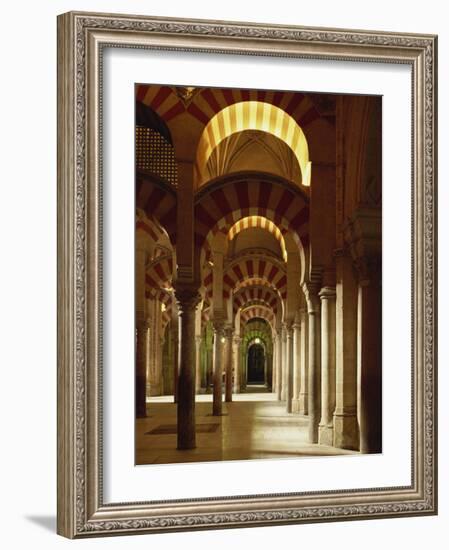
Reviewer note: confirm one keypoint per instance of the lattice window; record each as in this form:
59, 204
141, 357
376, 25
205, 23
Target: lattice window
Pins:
155, 154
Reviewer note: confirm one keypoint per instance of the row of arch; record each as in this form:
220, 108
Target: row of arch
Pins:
228, 120
194, 209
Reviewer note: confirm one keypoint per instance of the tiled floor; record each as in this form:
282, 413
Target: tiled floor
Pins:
254, 425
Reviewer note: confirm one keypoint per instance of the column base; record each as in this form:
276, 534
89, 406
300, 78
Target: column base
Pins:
187, 446
326, 435
313, 429
346, 431
141, 400
154, 390
303, 408
296, 405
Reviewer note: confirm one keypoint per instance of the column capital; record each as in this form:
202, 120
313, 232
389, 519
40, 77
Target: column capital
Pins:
187, 298
284, 332
218, 325
311, 290
327, 292
228, 332
363, 235
369, 270
142, 324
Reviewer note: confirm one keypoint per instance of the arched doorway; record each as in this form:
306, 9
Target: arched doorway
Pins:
256, 365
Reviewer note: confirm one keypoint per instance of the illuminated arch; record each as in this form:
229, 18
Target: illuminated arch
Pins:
219, 205
248, 269
252, 294
252, 115
259, 222
257, 312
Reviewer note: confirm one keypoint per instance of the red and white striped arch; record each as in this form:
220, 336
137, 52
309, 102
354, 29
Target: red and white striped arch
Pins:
205, 103
247, 268
159, 275
249, 295
150, 227
159, 202
261, 223
257, 312
222, 204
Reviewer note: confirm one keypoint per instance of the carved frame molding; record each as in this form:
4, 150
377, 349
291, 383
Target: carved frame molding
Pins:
81, 38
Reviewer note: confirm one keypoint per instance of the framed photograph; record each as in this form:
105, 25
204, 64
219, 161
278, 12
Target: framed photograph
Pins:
246, 274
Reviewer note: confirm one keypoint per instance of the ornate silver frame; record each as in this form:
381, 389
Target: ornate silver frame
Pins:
81, 511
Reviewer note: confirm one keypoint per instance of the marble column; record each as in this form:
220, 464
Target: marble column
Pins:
217, 405
314, 397
198, 364
279, 364
187, 300
228, 364
284, 369
346, 431
326, 429
141, 368
175, 335
363, 233
303, 407
237, 353
141, 332
296, 365
274, 384
148, 348
289, 368
369, 364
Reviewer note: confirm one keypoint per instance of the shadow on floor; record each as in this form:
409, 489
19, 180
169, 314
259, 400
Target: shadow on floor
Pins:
46, 522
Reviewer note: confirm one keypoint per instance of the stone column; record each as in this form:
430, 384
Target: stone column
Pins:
154, 371
327, 295
296, 365
141, 332
141, 367
217, 405
289, 368
279, 364
314, 398
304, 364
228, 363
243, 367
369, 365
284, 370
237, 354
148, 348
275, 366
346, 432
159, 386
187, 300
197, 364
175, 335
363, 233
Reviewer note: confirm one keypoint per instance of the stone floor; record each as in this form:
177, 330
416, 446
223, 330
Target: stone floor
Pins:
254, 425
